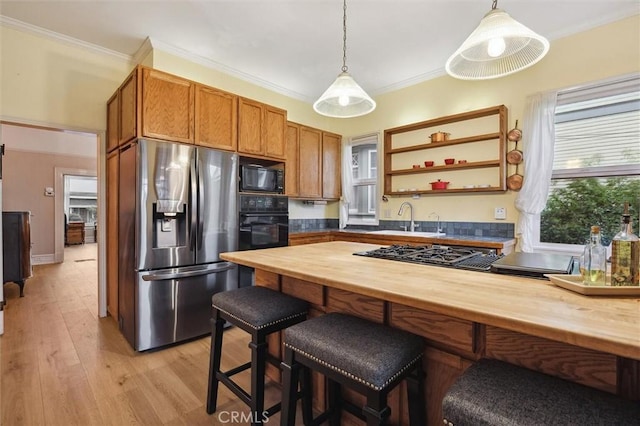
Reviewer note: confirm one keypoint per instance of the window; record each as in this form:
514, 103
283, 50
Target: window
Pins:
596, 166
363, 205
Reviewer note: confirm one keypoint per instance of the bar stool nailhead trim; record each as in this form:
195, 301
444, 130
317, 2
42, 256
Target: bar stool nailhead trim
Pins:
263, 325
351, 375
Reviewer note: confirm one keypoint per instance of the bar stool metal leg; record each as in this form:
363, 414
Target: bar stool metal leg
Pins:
214, 361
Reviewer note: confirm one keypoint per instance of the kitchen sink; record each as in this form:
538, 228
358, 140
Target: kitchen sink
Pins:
407, 233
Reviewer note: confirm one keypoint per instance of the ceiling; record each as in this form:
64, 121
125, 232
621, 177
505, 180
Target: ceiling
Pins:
295, 46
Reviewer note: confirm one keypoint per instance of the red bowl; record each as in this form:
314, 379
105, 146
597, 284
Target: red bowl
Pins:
428, 163
449, 160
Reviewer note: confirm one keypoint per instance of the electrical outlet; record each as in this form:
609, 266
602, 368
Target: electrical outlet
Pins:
500, 213
386, 213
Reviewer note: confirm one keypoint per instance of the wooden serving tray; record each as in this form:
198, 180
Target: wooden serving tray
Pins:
574, 283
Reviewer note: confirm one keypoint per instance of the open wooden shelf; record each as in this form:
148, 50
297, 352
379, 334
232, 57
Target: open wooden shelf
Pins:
499, 164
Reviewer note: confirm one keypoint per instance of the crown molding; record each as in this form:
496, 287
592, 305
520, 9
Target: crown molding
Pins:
60, 38
176, 51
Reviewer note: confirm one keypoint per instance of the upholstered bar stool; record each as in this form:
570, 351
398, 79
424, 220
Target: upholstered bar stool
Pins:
367, 357
493, 392
259, 311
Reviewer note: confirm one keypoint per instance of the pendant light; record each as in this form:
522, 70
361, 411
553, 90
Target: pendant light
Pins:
498, 47
344, 98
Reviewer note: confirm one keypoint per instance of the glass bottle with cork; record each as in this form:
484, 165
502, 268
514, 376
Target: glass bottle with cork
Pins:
625, 254
593, 262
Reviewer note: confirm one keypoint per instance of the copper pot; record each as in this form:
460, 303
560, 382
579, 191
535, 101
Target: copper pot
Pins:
439, 136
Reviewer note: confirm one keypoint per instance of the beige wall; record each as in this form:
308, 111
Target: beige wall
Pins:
58, 83
25, 175
45, 81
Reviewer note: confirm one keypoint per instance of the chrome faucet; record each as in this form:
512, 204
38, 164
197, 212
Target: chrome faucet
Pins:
412, 225
438, 229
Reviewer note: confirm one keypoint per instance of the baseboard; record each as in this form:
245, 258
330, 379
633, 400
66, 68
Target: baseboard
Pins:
42, 259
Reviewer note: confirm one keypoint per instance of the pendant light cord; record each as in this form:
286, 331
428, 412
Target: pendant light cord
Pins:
344, 36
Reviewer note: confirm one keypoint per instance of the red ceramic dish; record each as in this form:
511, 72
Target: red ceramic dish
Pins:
428, 163
449, 160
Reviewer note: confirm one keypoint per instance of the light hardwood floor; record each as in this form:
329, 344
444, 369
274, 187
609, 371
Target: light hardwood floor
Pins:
63, 365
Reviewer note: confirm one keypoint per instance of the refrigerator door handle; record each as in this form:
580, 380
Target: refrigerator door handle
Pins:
195, 209
200, 236
173, 274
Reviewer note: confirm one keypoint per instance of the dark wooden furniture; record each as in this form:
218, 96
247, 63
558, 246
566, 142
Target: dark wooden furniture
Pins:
370, 358
260, 312
75, 233
16, 247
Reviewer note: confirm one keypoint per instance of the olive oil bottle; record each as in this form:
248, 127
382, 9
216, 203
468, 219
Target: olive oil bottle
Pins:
593, 263
625, 254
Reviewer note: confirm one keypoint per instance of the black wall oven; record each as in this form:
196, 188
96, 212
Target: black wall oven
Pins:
264, 223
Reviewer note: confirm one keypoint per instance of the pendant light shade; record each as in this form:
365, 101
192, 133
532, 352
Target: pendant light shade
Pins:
344, 98
498, 47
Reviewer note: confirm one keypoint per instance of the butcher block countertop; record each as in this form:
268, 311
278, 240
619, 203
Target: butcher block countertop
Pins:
525, 305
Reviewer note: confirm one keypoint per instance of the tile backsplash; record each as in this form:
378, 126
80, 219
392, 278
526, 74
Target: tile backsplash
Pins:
475, 229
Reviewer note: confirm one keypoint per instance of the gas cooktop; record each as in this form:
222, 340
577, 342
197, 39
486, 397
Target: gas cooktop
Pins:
453, 257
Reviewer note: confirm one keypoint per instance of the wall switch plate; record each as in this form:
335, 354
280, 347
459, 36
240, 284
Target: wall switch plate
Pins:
500, 213
386, 213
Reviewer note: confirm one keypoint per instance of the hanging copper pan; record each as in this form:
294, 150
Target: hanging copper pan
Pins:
514, 134
514, 182
514, 156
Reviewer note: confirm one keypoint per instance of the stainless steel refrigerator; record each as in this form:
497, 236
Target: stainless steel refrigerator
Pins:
177, 213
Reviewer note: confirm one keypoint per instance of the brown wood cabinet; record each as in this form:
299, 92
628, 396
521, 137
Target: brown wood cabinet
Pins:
261, 129
313, 163
275, 125
167, 106
310, 163
112, 233
292, 168
113, 123
216, 118
331, 162
128, 109
75, 233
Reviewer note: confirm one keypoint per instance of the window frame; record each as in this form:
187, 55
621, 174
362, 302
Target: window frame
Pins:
572, 95
366, 139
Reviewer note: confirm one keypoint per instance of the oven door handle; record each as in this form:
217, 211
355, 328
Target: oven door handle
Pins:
278, 214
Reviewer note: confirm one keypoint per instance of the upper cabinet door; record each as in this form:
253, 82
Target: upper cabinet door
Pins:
167, 106
113, 137
291, 171
275, 123
331, 182
310, 163
250, 118
216, 118
128, 104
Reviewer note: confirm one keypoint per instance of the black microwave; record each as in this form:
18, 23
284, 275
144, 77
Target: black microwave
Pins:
255, 178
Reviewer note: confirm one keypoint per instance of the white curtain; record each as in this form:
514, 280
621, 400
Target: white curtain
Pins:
347, 185
538, 133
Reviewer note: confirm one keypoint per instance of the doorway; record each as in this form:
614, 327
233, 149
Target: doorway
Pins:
47, 153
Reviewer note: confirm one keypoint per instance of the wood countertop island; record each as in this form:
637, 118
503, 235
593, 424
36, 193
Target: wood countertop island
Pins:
464, 315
